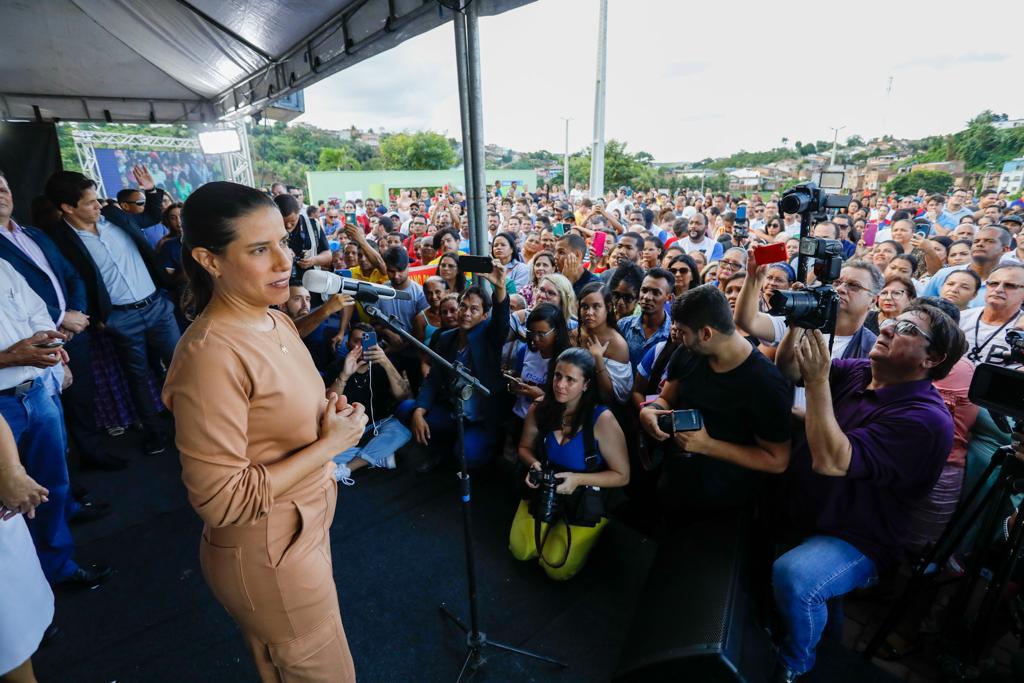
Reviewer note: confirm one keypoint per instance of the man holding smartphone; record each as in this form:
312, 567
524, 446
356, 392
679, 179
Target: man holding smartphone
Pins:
744, 400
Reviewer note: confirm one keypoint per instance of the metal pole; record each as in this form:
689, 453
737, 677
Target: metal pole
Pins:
476, 127
467, 154
597, 152
565, 164
835, 141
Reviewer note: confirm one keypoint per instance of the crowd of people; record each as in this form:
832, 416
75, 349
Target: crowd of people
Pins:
602, 324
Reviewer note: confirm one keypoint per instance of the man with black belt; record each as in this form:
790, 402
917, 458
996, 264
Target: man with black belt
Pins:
123, 279
48, 273
30, 372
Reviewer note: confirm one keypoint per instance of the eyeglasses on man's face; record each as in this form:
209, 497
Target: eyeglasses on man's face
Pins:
904, 328
851, 285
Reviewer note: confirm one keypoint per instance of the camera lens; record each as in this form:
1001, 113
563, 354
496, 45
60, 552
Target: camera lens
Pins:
792, 304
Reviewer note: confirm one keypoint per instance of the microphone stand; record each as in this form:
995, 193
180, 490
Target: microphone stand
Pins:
463, 385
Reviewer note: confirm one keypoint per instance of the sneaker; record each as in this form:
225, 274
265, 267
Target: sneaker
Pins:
389, 462
343, 475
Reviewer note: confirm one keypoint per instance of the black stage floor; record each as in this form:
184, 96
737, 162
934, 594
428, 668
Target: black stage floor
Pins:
398, 554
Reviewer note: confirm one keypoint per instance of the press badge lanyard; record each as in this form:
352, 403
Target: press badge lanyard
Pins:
975, 353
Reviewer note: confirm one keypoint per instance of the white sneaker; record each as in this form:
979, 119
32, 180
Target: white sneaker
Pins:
390, 463
343, 475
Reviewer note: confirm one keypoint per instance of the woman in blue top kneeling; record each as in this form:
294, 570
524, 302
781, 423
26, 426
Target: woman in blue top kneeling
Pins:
569, 434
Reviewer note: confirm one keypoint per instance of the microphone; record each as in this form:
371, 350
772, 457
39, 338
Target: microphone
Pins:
326, 282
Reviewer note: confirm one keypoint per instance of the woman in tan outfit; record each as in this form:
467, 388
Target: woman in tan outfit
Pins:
256, 438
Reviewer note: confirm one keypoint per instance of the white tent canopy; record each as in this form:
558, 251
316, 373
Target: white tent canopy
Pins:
170, 61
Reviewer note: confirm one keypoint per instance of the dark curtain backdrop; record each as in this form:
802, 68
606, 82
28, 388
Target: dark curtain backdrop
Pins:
29, 153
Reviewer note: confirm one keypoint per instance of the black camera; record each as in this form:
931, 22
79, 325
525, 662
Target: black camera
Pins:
1015, 340
680, 421
740, 232
814, 308
811, 199
548, 505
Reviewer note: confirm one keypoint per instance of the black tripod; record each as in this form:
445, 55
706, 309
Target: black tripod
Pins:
936, 556
463, 386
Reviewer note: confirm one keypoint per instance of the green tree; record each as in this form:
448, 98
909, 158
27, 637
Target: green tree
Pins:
910, 183
417, 151
854, 141
337, 159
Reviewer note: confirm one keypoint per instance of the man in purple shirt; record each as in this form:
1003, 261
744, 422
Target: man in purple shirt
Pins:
877, 434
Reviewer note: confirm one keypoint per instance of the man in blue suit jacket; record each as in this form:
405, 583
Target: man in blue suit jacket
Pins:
51, 276
123, 282
476, 343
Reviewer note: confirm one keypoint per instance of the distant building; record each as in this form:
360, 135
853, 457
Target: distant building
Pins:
1012, 178
1015, 123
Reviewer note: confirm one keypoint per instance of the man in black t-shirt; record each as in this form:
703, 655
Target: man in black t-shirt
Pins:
744, 401
369, 378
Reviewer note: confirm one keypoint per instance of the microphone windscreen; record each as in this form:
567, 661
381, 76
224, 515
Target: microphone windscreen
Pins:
321, 281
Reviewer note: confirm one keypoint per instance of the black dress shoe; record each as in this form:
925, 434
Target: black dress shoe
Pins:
430, 464
155, 444
49, 635
90, 512
87, 578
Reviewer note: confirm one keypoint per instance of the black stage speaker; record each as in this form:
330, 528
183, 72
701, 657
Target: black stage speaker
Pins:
29, 154
694, 620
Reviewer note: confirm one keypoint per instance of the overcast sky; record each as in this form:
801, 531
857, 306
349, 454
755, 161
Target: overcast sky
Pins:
686, 82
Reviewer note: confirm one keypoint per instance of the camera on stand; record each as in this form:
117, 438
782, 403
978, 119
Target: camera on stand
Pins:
1015, 340
815, 307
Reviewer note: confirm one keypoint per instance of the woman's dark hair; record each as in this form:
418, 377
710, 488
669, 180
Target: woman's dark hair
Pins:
974, 276
656, 241
286, 203
460, 277
166, 215
953, 244
909, 258
606, 296
692, 265
895, 245
944, 240
631, 273
549, 412
947, 337
547, 313
511, 240
208, 220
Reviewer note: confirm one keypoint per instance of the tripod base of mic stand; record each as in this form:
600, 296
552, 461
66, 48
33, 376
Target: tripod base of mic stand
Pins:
476, 642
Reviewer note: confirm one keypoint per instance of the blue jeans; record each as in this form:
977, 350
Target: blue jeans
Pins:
391, 435
139, 334
38, 427
481, 441
804, 580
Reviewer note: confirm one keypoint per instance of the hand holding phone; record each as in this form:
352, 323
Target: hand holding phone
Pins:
475, 264
599, 241
770, 253
870, 231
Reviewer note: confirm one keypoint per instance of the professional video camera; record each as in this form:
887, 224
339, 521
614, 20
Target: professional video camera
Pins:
815, 307
810, 200
1015, 340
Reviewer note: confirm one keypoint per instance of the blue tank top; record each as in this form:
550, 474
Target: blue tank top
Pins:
428, 331
571, 456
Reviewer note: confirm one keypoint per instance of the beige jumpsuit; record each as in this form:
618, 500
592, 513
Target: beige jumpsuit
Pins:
240, 402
